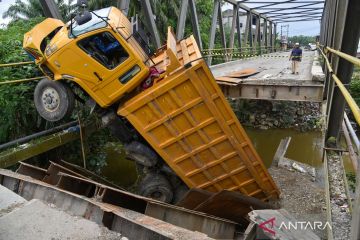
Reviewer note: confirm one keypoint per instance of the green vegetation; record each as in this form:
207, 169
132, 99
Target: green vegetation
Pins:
32, 9
351, 178
303, 40
355, 85
18, 115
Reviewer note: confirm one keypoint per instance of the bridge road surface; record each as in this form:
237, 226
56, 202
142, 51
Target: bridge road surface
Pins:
274, 81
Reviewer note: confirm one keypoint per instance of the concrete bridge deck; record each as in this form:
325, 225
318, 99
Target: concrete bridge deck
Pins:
274, 80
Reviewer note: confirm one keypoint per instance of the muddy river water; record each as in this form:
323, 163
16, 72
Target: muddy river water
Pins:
305, 147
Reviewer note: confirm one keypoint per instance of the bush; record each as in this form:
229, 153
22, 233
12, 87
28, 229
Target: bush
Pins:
18, 116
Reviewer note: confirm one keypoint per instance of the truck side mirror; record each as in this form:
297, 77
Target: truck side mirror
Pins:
83, 18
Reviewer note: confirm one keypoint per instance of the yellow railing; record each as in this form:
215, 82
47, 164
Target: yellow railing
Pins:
345, 56
15, 64
2, 82
350, 101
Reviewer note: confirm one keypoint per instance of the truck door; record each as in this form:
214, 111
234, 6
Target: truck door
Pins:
109, 60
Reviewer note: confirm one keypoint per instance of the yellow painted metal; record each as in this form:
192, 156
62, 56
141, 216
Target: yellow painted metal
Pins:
345, 56
16, 64
349, 99
68, 61
188, 121
34, 38
21, 80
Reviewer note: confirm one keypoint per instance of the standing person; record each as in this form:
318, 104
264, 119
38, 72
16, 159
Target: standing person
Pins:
295, 57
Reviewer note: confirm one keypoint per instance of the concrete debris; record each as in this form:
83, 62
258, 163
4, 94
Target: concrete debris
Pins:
31, 222
303, 168
300, 196
298, 168
340, 211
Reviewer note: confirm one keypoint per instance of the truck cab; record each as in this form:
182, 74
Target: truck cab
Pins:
99, 54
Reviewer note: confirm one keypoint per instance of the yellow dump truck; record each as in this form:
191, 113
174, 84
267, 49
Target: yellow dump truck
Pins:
171, 115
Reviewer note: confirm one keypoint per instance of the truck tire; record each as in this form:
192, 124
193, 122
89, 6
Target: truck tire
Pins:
179, 193
141, 154
157, 187
53, 100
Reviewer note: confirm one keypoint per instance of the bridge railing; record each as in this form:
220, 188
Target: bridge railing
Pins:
355, 110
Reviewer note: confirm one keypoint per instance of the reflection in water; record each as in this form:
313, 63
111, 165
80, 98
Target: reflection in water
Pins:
119, 170
305, 147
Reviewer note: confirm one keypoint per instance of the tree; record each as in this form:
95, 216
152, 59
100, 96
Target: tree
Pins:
32, 9
303, 40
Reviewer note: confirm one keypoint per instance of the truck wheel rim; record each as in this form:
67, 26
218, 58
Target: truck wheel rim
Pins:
50, 99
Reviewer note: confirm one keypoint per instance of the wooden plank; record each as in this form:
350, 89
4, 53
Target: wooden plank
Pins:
243, 73
228, 80
281, 150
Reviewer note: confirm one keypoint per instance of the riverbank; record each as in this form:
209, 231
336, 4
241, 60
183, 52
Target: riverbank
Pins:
262, 114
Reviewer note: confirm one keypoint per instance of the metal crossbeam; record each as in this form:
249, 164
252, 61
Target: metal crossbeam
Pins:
300, 16
301, 20
293, 8
294, 1
292, 13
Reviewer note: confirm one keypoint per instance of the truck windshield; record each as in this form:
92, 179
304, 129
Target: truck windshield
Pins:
94, 23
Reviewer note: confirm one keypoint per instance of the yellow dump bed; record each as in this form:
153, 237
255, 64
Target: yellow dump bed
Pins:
187, 120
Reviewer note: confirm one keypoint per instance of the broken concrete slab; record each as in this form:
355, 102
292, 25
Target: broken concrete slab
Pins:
36, 220
316, 69
9, 200
297, 166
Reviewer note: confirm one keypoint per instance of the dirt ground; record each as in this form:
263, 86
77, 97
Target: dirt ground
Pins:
300, 196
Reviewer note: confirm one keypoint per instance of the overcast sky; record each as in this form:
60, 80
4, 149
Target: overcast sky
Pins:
4, 5
296, 28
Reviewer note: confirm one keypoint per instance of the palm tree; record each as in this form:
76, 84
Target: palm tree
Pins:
32, 8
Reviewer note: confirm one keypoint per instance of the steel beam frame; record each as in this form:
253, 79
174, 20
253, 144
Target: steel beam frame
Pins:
149, 16
195, 23
51, 9
265, 2
182, 20
124, 5
213, 27
346, 39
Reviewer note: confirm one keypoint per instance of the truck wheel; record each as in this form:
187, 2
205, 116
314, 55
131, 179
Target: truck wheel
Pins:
53, 100
179, 193
156, 186
141, 154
